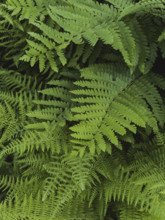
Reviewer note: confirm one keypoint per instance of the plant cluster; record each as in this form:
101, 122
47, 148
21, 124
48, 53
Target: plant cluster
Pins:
82, 110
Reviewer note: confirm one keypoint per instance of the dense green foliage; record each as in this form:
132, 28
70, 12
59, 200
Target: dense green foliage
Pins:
82, 110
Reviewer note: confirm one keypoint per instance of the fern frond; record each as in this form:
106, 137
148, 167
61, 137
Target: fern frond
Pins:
56, 108
121, 4
130, 213
109, 105
4, 14
142, 7
32, 206
82, 172
34, 140
15, 80
55, 35
30, 10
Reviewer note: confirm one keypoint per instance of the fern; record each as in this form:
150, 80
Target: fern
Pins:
131, 213
111, 33
82, 126
121, 182
154, 7
56, 109
121, 4
26, 9
107, 107
41, 209
50, 41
